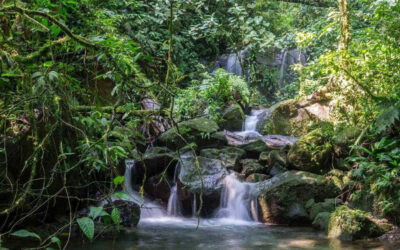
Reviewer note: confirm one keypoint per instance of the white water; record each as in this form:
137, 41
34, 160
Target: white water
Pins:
238, 204
148, 208
173, 208
250, 125
236, 200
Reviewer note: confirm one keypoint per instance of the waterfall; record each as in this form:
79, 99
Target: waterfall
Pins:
149, 209
250, 125
173, 208
236, 200
283, 69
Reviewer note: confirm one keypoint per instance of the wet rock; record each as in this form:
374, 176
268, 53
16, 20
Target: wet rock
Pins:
254, 148
158, 187
229, 156
277, 169
312, 152
129, 212
293, 117
200, 174
202, 131
257, 177
251, 166
233, 118
277, 157
282, 195
157, 159
349, 224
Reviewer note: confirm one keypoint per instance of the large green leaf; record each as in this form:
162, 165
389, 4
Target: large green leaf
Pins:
96, 212
25, 233
119, 180
86, 224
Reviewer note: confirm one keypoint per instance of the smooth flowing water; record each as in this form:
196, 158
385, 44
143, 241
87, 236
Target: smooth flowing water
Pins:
220, 234
234, 224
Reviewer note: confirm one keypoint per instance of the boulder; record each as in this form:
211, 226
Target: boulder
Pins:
200, 174
328, 205
294, 117
277, 157
129, 212
254, 148
200, 130
232, 118
257, 177
251, 166
349, 224
321, 221
282, 198
156, 159
158, 187
229, 156
312, 152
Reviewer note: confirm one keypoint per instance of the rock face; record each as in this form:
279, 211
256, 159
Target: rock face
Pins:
251, 166
200, 130
312, 152
200, 174
348, 224
233, 118
282, 199
229, 156
254, 148
292, 117
129, 212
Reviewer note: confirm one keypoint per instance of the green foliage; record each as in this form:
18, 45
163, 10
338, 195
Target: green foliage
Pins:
211, 96
86, 224
25, 233
378, 168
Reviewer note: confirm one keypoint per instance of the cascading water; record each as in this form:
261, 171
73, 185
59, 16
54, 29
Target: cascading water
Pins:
173, 200
250, 125
149, 209
236, 199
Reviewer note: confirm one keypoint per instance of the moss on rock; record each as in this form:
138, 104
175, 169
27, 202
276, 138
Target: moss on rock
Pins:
232, 118
312, 152
349, 224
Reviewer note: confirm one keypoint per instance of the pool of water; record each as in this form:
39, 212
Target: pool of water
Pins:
177, 233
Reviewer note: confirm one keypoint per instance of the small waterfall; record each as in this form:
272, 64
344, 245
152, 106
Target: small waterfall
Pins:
236, 199
149, 209
283, 69
250, 125
233, 65
173, 200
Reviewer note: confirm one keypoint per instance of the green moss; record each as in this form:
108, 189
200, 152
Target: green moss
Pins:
312, 152
321, 221
349, 224
232, 118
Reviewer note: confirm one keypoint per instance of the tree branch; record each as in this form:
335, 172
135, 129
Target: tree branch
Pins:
62, 26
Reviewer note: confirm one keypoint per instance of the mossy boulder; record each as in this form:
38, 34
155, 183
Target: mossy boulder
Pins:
203, 131
283, 198
321, 221
313, 151
200, 174
129, 212
294, 117
251, 166
232, 118
254, 148
352, 224
328, 205
229, 156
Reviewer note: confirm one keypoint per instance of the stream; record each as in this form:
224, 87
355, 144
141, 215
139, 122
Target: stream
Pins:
234, 225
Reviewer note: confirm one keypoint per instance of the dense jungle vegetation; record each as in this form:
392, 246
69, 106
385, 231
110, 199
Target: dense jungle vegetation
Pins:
77, 77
